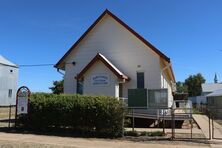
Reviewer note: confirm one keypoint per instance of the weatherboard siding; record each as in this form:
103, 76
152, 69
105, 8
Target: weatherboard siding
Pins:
8, 80
100, 69
119, 46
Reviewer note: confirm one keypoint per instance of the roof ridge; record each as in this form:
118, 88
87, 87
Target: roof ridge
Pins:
6, 62
157, 51
107, 63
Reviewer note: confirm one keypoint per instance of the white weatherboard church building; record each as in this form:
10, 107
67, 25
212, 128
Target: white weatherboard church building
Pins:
8, 82
110, 58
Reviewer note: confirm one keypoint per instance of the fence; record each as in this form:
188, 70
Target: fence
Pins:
167, 120
176, 121
7, 116
216, 124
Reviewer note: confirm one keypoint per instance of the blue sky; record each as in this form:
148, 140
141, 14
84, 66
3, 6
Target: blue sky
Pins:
41, 31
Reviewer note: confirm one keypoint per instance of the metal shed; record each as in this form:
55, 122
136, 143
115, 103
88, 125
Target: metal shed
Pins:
8, 82
214, 101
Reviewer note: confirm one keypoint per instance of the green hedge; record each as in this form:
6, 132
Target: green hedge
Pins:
100, 115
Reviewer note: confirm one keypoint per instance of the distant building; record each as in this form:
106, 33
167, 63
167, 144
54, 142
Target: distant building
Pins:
8, 82
214, 101
208, 88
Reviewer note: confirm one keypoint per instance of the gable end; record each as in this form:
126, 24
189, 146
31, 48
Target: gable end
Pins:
61, 61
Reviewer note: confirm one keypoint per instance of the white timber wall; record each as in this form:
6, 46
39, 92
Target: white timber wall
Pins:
119, 46
165, 83
8, 80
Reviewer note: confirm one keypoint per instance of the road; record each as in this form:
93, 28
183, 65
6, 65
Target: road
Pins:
30, 140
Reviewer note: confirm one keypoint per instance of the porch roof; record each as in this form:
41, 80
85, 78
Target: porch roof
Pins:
104, 60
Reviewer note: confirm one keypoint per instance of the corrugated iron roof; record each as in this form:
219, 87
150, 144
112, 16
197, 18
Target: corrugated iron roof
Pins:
211, 87
4, 61
216, 93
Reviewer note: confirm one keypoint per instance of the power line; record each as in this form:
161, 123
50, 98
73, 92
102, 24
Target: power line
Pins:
36, 65
41, 65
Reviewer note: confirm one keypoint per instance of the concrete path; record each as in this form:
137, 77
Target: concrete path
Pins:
203, 122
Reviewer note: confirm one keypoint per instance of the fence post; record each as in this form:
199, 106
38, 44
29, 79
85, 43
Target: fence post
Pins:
9, 117
172, 123
158, 118
209, 124
133, 118
164, 122
191, 123
212, 126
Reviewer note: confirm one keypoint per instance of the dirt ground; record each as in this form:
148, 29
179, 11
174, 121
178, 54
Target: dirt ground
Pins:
11, 140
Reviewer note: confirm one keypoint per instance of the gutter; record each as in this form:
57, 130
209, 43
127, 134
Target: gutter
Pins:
58, 70
9, 65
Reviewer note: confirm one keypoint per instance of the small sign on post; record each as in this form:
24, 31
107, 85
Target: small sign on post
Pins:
22, 107
22, 101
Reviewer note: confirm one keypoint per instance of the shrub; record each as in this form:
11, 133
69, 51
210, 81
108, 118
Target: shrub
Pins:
100, 115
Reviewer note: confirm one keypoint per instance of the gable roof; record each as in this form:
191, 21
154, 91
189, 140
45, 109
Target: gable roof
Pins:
104, 60
211, 87
157, 51
5, 62
123, 24
216, 93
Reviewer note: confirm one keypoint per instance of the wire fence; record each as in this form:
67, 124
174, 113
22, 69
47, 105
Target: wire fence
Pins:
7, 116
177, 123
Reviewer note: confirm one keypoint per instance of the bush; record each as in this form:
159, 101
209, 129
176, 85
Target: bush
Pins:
99, 115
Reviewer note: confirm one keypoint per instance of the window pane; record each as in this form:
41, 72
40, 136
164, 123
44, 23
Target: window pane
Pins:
10, 93
140, 80
79, 89
158, 98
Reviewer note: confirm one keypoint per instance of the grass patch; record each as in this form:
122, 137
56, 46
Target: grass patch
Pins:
4, 112
149, 134
196, 111
4, 116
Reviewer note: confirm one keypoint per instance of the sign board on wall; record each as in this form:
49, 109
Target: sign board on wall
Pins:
22, 100
100, 80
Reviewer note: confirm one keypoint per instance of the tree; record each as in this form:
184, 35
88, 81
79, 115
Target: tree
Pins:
181, 87
57, 87
193, 83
